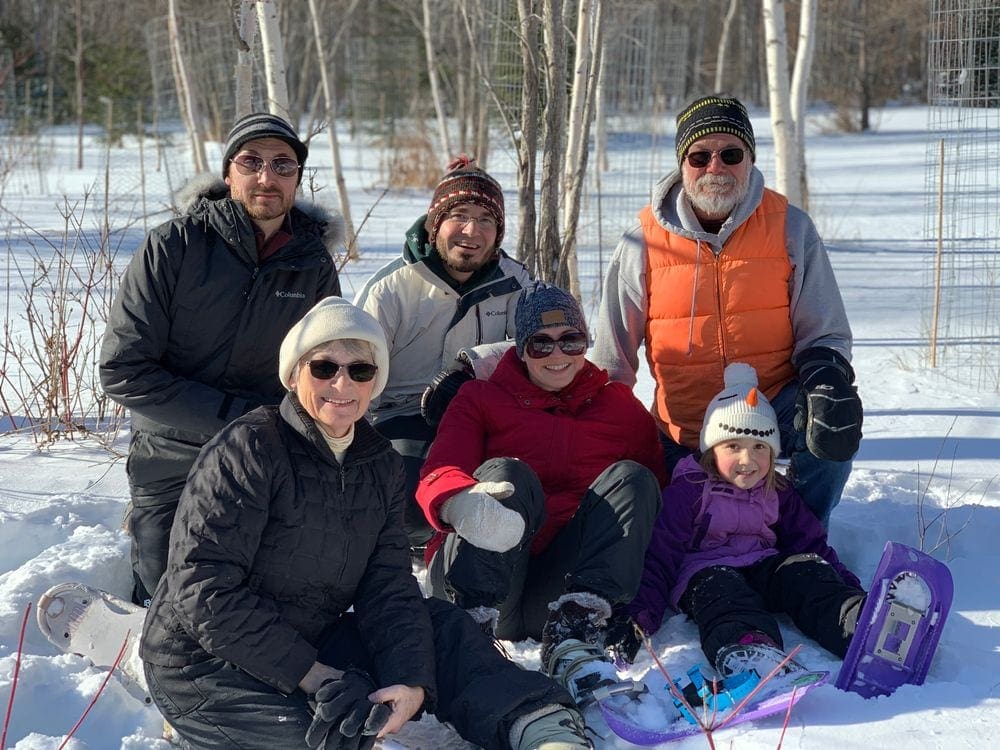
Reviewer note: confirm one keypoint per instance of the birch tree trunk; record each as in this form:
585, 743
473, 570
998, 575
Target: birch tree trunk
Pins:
578, 87
554, 119
786, 160
432, 75
78, 79
527, 144
589, 36
274, 58
189, 103
800, 90
722, 52
246, 30
600, 121
330, 104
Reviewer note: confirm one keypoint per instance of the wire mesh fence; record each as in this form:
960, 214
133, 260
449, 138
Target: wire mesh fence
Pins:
963, 182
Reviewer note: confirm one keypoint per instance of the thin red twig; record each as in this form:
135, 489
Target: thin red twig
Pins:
121, 653
788, 717
709, 726
17, 671
674, 691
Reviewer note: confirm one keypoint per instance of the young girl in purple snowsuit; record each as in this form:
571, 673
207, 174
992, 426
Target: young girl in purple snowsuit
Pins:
734, 543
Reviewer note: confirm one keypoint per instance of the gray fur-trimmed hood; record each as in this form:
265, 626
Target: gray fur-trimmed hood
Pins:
210, 187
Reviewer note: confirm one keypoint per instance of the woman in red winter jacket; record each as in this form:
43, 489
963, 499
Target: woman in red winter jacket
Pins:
543, 483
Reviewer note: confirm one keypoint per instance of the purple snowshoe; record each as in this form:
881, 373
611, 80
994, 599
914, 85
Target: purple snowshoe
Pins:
900, 625
657, 716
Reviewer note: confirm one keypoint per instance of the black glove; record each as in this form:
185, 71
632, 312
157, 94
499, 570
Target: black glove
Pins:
442, 390
344, 718
620, 637
828, 409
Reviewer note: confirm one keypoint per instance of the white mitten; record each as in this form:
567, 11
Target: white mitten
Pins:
480, 519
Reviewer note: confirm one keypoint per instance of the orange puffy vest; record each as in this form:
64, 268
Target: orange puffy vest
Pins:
740, 313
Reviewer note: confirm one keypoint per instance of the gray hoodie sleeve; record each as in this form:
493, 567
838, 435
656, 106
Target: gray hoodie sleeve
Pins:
817, 309
621, 317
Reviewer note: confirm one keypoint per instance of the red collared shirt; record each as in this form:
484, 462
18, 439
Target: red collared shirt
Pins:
268, 247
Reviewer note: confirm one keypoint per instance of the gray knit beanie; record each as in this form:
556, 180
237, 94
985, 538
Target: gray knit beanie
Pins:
543, 305
262, 125
332, 319
739, 410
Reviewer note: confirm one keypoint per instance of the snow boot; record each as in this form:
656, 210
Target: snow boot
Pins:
580, 615
551, 727
573, 649
759, 657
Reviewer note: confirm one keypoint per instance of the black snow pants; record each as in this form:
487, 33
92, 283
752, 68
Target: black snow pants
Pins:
728, 603
600, 550
215, 704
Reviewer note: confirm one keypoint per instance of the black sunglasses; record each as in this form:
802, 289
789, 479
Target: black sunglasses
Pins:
701, 159
359, 372
539, 346
280, 165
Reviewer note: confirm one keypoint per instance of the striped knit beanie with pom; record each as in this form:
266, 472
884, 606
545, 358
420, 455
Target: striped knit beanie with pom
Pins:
465, 183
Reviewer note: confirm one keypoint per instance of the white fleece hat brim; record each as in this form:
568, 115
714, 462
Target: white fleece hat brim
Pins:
333, 319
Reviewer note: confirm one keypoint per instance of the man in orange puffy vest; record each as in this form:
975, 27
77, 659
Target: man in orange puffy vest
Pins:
720, 269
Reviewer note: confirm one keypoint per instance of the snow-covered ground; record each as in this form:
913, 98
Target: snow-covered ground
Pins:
928, 472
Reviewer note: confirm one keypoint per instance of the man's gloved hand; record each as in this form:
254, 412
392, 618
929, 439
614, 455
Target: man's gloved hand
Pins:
478, 516
620, 637
442, 390
828, 409
471, 362
344, 718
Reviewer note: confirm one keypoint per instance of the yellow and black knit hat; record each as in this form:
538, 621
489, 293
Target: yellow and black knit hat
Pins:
713, 114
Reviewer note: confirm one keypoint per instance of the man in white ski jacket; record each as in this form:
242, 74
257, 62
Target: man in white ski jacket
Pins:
452, 288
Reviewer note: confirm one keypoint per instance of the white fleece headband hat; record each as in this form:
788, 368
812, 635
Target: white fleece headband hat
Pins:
331, 319
740, 410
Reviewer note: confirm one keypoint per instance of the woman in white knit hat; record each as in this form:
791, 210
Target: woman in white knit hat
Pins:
735, 543
291, 517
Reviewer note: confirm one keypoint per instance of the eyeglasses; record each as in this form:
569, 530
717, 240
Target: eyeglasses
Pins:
482, 222
701, 159
539, 346
282, 166
359, 372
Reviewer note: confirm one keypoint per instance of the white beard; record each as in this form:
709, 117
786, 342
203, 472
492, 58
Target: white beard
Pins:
715, 196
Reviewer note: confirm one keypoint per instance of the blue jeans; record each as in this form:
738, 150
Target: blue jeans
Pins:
819, 482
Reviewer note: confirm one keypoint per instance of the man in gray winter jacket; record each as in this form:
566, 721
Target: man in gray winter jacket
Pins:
192, 339
453, 288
